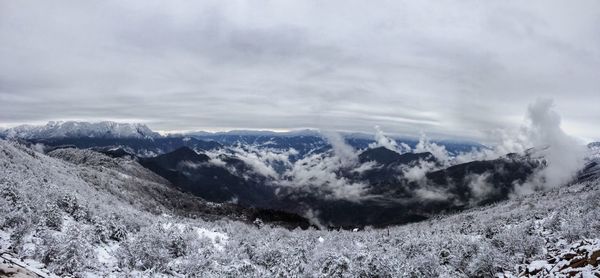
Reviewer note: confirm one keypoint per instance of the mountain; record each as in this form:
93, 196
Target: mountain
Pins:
183, 154
142, 141
484, 182
80, 213
141, 147
73, 129
303, 142
385, 156
391, 196
311, 141
257, 133
135, 139
594, 149
194, 173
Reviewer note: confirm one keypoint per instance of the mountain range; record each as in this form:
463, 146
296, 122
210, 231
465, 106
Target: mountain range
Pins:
107, 207
300, 172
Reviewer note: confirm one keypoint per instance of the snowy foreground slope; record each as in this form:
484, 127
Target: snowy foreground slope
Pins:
78, 213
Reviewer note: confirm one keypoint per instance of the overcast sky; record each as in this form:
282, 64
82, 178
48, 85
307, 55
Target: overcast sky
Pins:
447, 68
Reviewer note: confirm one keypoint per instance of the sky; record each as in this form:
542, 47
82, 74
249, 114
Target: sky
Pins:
453, 69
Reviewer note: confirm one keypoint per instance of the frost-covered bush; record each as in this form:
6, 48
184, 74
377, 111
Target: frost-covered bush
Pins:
53, 217
582, 221
70, 204
146, 251
373, 265
334, 265
421, 265
195, 255
67, 253
520, 240
486, 262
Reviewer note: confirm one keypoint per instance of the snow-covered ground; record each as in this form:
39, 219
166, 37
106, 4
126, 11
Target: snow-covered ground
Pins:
100, 217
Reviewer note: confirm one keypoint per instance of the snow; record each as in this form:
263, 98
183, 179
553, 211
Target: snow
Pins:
537, 265
219, 240
105, 253
4, 240
178, 226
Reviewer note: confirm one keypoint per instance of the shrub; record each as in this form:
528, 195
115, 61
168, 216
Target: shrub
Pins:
67, 254
147, 250
53, 217
520, 240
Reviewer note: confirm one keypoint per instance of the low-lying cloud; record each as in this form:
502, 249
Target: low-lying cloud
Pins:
326, 174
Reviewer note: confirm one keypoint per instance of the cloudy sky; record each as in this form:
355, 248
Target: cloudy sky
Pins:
447, 68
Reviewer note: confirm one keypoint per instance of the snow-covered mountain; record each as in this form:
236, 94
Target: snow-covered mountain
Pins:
80, 213
73, 129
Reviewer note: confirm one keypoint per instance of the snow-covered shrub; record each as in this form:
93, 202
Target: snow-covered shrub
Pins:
520, 240
372, 265
117, 231
70, 204
147, 250
583, 221
487, 262
334, 265
199, 254
67, 253
10, 194
22, 230
553, 223
109, 228
421, 265
53, 217
14, 218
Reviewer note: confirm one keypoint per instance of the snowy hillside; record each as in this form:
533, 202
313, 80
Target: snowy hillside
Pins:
60, 129
81, 213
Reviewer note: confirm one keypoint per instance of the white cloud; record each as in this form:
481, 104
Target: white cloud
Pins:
438, 151
564, 154
347, 154
381, 140
457, 68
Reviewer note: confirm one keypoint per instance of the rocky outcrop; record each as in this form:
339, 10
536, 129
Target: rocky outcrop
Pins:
581, 259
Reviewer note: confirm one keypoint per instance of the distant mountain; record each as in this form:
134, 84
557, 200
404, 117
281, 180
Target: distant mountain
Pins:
141, 147
142, 141
385, 156
106, 137
72, 129
241, 132
311, 141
